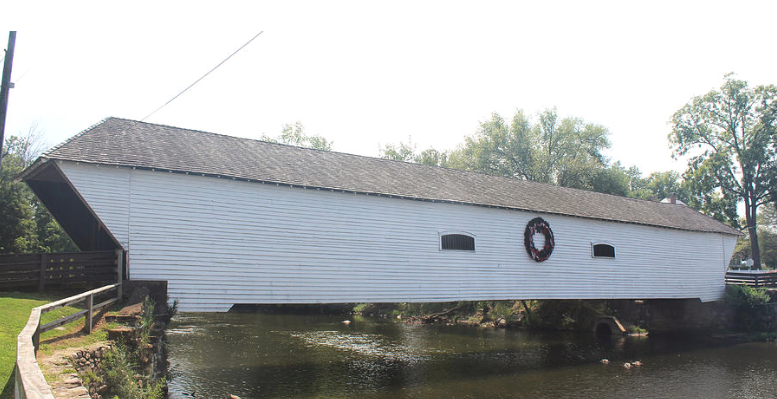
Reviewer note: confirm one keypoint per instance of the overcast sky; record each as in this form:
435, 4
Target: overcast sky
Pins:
365, 74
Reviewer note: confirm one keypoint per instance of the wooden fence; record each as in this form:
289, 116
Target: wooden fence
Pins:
758, 279
60, 269
28, 379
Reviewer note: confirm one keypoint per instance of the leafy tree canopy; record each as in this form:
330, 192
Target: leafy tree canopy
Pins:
567, 152
407, 152
729, 137
295, 135
26, 224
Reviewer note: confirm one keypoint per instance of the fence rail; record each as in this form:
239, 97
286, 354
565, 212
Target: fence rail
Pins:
30, 270
29, 381
758, 280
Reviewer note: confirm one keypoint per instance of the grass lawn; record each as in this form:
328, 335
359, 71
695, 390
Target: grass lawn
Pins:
14, 312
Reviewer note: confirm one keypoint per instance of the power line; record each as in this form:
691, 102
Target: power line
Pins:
203, 76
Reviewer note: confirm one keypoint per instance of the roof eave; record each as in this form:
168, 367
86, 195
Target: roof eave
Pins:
32, 169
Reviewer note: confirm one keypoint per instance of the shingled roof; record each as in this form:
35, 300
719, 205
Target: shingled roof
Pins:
129, 143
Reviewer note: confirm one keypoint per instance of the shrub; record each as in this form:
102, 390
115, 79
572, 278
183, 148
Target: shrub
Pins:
122, 379
750, 305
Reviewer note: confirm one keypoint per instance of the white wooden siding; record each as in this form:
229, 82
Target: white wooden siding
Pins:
108, 196
219, 242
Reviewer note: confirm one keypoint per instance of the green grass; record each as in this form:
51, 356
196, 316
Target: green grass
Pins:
15, 308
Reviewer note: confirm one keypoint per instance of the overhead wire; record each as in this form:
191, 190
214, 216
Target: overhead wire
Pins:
202, 77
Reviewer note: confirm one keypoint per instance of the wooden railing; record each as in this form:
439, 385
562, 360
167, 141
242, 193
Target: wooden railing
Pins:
30, 270
752, 279
29, 380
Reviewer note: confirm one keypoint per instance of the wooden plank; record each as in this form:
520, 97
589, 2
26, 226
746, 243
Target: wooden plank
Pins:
57, 258
105, 303
100, 270
19, 279
89, 313
28, 273
42, 278
20, 265
67, 319
18, 258
29, 268
76, 298
22, 283
84, 263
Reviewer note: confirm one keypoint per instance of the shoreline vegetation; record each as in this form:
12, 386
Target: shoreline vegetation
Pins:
746, 314
131, 350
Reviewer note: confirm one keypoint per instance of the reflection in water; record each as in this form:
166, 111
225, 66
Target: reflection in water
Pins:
266, 356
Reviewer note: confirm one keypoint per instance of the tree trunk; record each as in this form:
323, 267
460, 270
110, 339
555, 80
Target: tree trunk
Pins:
754, 248
752, 230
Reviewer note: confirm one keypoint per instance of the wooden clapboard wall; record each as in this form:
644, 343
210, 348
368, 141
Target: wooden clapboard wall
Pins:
219, 242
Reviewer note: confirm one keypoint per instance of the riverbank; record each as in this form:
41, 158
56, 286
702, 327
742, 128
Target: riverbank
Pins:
128, 345
16, 311
746, 314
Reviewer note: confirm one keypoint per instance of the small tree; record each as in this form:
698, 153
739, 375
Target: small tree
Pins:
729, 136
25, 224
295, 135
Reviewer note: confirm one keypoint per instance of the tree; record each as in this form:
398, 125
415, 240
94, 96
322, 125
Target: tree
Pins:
767, 241
26, 224
295, 135
729, 136
566, 152
406, 152
17, 230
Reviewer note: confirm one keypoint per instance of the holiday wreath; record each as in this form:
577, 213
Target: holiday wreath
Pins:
538, 225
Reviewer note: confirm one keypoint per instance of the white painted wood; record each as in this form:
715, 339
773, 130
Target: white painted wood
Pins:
114, 193
219, 242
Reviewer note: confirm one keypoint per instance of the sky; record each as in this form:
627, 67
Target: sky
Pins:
367, 74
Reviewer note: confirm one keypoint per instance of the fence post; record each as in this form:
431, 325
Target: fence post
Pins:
119, 271
42, 282
89, 307
36, 337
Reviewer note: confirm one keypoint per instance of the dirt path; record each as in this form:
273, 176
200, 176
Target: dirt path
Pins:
68, 384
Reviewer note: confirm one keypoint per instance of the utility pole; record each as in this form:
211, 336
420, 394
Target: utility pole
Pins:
6, 86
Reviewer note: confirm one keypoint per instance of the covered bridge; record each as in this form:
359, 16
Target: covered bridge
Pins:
228, 220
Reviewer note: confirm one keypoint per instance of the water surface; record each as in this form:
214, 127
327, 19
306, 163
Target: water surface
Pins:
293, 356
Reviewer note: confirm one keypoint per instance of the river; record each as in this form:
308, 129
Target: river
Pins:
302, 356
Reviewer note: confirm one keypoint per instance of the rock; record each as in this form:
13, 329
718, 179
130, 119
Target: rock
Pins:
233, 397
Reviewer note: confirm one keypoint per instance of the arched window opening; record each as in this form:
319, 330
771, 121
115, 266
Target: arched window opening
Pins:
603, 251
457, 242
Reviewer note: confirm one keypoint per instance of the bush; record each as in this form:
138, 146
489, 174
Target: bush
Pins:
561, 314
123, 381
750, 304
